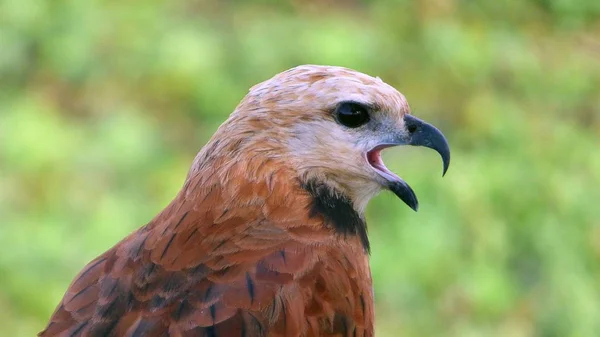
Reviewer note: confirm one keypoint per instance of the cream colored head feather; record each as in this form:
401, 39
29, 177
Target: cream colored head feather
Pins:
326, 123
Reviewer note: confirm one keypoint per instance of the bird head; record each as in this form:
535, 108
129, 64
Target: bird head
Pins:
330, 124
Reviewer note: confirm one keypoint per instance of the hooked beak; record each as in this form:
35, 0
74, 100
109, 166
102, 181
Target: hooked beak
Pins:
416, 133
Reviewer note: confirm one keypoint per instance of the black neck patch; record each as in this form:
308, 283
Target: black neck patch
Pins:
337, 210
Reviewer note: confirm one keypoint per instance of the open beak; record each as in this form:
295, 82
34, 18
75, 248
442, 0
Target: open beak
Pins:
416, 133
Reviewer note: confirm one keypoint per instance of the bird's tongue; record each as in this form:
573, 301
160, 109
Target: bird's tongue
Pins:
374, 157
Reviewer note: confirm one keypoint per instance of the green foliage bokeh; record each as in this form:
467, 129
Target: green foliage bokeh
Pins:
103, 105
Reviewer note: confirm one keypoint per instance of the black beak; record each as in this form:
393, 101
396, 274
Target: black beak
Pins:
420, 133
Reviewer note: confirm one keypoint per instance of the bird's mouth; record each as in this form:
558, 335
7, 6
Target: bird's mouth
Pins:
393, 181
374, 159
416, 133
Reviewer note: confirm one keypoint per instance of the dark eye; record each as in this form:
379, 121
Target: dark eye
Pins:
352, 114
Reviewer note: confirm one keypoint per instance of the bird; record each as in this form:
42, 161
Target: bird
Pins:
267, 237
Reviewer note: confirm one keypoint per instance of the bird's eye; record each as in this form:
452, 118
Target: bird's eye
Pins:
352, 114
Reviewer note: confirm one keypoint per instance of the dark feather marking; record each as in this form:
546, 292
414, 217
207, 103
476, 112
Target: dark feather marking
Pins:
108, 286
362, 304
157, 302
210, 189
144, 275
90, 267
103, 329
50, 324
190, 236
143, 328
213, 314
165, 229
109, 311
348, 301
138, 249
198, 272
354, 332
282, 252
183, 309
175, 281
340, 322
79, 329
210, 331
270, 181
250, 286
167, 246
222, 214
271, 310
338, 211
208, 291
113, 310
81, 292
220, 245
243, 329
84, 308
259, 327
181, 220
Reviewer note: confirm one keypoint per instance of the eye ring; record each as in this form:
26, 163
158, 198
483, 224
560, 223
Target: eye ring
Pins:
352, 114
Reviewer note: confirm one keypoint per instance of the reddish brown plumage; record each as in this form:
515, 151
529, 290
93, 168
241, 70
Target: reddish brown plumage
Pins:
267, 236
247, 261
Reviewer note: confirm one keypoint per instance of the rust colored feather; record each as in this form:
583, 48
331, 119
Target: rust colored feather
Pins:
224, 270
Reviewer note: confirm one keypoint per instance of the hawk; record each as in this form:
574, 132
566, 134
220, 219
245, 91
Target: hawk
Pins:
267, 236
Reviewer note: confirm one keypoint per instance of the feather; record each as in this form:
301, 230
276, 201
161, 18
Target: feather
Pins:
267, 235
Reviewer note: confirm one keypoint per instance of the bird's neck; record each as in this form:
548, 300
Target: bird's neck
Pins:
272, 189
337, 209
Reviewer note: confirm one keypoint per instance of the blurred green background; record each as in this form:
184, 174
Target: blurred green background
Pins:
104, 104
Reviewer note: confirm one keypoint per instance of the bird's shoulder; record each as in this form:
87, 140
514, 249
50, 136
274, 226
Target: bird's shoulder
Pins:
251, 260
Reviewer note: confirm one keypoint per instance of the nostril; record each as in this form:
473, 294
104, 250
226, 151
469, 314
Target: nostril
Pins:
411, 128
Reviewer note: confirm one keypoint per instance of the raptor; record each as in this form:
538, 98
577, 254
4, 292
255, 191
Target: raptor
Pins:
267, 236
